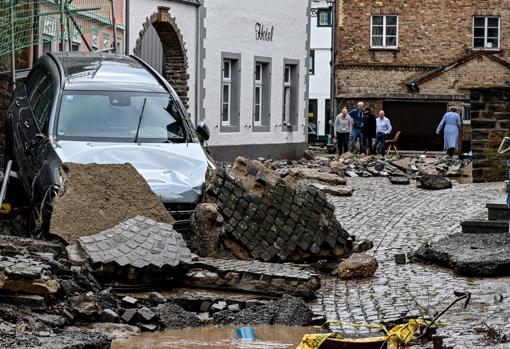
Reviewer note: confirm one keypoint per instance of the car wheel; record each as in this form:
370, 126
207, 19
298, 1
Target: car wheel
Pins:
40, 213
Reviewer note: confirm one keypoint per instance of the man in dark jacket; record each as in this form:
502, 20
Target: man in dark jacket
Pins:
357, 117
369, 128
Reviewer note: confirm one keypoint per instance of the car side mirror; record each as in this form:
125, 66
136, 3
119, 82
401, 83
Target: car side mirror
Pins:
203, 131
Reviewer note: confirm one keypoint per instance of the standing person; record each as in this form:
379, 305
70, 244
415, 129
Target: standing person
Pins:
357, 127
342, 131
450, 124
383, 129
369, 128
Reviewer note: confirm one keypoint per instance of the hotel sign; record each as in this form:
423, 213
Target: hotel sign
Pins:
263, 33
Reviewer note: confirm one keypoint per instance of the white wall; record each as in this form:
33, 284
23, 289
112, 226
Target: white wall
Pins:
320, 82
186, 19
230, 27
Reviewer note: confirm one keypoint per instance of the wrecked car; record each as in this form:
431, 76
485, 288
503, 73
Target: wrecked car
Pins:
105, 109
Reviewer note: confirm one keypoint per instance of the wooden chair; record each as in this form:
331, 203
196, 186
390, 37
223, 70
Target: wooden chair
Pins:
392, 143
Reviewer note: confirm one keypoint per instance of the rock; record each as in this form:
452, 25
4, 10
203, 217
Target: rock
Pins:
84, 305
206, 228
44, 286
470, 254
146, 314
73, 255
205, 306
218, 306
434, 182
148, 327
156, 297
235, 250
308, 155
109, 315
106, 300
69, 338
399, 180
70, 288
115, 330
400, 258
129, 316
358, 265
316, 175
234, 307
129, 302
172, 316
351, 174
338, 191
363, 246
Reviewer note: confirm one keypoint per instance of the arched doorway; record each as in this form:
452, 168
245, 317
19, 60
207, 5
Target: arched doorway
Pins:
160, 44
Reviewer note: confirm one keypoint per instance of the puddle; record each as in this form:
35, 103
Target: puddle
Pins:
268, 337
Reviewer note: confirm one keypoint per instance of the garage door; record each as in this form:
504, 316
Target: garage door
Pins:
418, 123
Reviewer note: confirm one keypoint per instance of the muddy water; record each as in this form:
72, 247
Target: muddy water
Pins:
268, 337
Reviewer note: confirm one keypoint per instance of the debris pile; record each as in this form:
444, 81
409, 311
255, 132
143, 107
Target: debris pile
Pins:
276, 219
252, 276
95, 197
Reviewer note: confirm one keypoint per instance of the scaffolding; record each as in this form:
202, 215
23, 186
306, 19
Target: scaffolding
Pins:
31, 23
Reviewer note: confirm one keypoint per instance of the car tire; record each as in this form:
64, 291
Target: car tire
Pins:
40, 213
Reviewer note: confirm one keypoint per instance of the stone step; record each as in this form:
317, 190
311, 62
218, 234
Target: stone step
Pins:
498, 210
481, 226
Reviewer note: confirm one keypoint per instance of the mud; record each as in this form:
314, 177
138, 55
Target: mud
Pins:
96, 197
268, 337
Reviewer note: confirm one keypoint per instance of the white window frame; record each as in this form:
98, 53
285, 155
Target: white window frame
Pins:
257, 116
486, 34
226, 82
94, 42
287, 85
384, 26
328, 13
466, 114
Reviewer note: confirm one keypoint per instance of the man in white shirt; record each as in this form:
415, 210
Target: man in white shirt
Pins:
383, 129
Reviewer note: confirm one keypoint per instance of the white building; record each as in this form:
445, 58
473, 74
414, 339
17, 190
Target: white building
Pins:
320, 68
240, 65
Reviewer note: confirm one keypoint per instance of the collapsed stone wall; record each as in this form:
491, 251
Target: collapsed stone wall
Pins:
275, 219
490, 122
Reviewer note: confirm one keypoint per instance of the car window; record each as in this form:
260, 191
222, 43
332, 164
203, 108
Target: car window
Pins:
115, 116
40, 95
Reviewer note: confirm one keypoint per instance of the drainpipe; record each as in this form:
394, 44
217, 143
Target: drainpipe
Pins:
197, 63
114, 22
333, 68
127, 30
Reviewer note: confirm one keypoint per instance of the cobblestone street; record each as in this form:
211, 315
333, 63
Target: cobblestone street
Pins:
398, 219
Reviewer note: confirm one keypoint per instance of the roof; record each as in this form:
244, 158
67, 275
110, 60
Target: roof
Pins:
88, 69
420, 79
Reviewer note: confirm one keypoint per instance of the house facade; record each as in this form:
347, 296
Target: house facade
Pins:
319, 102
415, 59
245, 75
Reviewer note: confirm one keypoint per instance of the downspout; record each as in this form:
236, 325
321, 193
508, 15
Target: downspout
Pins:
333, 70
127, 30
197, 63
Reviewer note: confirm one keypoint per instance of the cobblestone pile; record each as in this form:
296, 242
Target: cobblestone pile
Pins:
274, 219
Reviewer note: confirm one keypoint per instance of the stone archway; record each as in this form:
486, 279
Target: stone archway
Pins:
174, 51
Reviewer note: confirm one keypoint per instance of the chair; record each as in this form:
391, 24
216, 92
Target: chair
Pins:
392, 143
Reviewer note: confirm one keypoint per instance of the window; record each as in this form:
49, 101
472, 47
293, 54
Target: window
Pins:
257, 114
47, 44
324, 18
290, 93
106, 41
230, 90
466, 114
119, 45
49, 26
113, 116
384, 32
311, 62
486, 33
76, 46
227, 88
95, 39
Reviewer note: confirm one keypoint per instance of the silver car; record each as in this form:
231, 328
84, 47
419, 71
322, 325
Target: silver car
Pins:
105, 109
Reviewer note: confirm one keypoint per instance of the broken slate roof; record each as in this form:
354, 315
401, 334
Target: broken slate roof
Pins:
138, 242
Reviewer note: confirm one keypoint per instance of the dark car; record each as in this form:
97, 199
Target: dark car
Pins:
102, 108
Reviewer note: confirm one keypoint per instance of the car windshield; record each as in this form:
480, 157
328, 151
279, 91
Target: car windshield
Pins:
120, 117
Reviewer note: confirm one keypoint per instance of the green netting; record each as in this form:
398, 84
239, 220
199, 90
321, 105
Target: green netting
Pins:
25, 23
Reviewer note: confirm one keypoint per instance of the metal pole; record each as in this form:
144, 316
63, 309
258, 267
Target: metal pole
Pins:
62, 27
4, 182
114, 27
332, 72
36, 32
126, 30
69, 33
13, 47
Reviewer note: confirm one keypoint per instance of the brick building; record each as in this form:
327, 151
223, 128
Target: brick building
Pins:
415, 59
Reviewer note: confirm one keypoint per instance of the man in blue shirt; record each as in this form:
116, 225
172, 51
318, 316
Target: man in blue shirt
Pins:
357, 127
